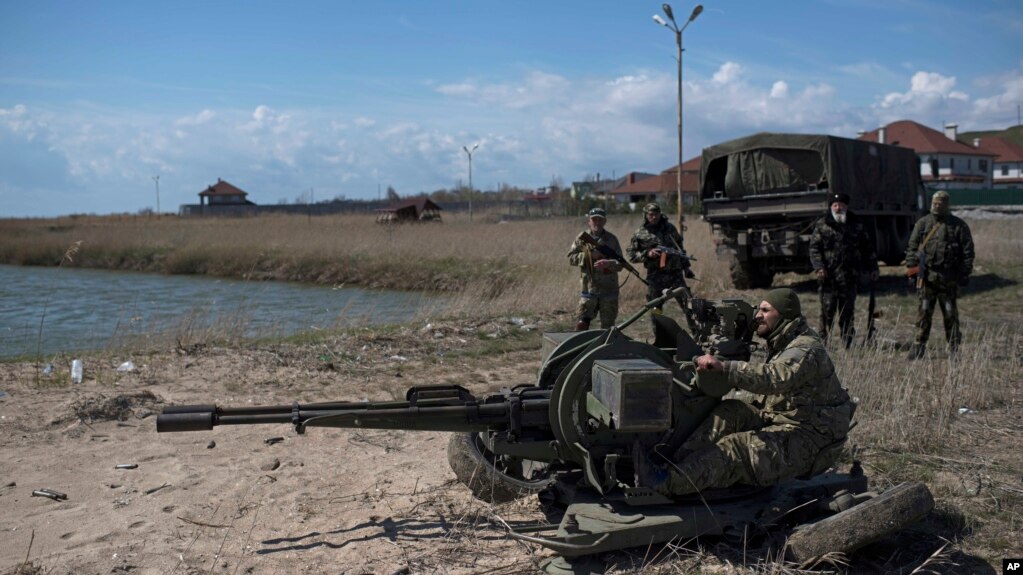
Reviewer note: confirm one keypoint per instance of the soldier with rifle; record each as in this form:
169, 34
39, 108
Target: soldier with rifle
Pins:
596, 253
840, 250
658, 246
939, 261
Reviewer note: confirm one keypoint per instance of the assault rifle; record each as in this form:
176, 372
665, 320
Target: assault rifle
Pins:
668, 251
611, 254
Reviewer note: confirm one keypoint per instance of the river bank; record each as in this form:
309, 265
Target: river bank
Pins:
365, 501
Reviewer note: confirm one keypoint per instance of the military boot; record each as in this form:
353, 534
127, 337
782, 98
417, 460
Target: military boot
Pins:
582, 325
916, 352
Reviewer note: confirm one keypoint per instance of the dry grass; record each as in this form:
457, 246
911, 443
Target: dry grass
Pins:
912, 423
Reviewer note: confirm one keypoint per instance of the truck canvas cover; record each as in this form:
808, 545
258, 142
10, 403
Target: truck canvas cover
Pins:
874, 175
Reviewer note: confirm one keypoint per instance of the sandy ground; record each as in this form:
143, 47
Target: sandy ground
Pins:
332, 501
337, 501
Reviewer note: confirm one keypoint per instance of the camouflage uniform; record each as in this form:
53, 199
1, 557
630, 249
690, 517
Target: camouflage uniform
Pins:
676, 269
599, 289
844, 251
948, 261
795, 425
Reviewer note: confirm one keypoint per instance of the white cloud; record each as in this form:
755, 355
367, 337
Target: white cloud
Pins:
196, 120
729, 72
530, 128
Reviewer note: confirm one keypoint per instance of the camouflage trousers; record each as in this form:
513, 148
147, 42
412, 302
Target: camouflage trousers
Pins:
657, 282
944, 296
735, 445
604, 306
840, 300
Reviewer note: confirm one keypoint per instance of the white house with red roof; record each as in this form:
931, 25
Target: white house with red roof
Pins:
1008, 165
945, 162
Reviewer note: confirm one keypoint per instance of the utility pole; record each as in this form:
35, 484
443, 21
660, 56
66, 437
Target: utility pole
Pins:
469, 152
157, 180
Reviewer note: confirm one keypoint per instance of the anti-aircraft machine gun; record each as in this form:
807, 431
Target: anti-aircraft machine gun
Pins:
572, 436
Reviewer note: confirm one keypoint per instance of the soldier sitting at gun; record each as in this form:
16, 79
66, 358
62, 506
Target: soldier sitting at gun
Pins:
593, 252
658, 245
796, 425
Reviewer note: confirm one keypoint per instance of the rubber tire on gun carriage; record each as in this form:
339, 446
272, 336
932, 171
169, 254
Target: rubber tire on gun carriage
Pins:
494, 479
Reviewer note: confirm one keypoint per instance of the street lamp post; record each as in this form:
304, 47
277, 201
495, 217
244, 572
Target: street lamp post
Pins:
468, 153
678, 41
157, 180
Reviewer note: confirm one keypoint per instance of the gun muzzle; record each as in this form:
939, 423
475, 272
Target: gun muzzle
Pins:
186, 418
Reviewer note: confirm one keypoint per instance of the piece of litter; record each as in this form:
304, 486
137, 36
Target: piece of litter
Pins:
152, 490
398, 358
965, 410
126, 366
126, 466
273, 440
54, 495
48, 369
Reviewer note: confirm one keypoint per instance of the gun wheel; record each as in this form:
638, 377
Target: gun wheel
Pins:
493, 478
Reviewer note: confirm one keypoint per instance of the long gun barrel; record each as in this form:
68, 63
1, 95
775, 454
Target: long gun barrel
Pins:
426, 408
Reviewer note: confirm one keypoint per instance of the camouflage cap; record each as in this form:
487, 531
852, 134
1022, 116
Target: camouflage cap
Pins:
941, 197
597, 213
785, 301
651, 208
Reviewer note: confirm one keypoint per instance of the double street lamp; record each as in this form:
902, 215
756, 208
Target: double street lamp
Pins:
678, 41
468, 153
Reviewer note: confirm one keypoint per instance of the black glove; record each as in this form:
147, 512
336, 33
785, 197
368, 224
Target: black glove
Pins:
688, 272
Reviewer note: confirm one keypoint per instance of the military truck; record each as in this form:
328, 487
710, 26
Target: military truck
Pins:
762, 194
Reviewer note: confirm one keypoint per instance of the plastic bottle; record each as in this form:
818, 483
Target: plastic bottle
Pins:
76, 371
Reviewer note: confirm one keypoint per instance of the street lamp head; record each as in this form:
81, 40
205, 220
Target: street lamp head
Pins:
660, 21
696, 12
667, 10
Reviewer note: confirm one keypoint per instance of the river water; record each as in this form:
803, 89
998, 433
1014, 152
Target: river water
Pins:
48, 310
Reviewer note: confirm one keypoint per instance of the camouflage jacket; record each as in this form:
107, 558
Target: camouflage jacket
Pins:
797, 385
596, 282
648, 237
949, 252
844, 251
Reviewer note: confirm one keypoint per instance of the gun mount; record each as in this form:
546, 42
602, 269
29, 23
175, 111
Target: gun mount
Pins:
572, 436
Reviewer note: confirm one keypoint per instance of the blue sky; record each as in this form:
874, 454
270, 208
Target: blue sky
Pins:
343, 98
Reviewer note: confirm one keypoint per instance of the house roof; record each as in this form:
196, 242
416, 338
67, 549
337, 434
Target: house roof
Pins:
922, 140
640, 184
222, 188
690, 165
1003, 150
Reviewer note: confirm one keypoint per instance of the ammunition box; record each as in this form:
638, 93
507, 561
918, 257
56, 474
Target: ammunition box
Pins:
631, 395
552, 340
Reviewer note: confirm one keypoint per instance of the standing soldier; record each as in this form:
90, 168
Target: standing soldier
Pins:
659, 246
840, 250
599, 272
940, 260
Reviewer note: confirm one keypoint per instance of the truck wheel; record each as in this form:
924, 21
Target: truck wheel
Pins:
857, 526
748, 275
493, 478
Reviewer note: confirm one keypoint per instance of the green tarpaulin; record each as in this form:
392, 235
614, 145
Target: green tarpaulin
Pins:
766, 163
